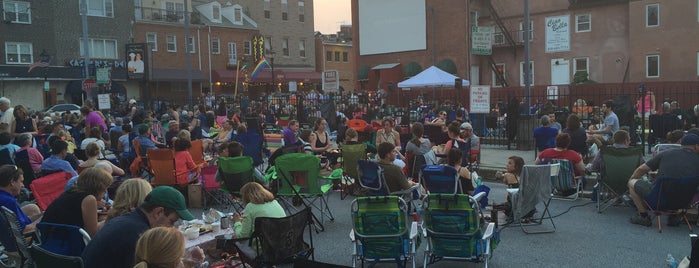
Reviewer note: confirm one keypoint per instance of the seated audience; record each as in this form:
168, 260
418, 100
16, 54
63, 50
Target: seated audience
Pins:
130, 194
164, 247
621, 139
185, 168
454, 159
545, 135
561, 151
92, 151
11, 182
28, 152
395, 179
577, 134
470, 138
56, 162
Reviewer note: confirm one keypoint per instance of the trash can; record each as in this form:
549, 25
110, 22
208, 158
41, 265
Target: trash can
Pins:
525, 132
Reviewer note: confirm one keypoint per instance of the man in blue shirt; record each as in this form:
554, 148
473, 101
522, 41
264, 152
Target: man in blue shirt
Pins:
545, 135
56, 162
11, 182
610, 125
144, 137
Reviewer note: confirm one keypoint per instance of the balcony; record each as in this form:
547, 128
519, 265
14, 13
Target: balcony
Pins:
499, 39
164, 15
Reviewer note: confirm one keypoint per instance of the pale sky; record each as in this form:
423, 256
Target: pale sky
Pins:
330, 14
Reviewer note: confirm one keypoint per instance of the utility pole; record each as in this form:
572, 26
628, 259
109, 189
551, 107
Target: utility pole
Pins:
188, 55
86, 42
527, 70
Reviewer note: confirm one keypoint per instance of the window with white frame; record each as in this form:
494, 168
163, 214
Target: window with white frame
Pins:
302, 11
247, 47
498, 37
285, 47
583, 23
285, 10
496, 81
531, 31
521, 73
232, 54
216, 46
18, 53
266, 7
652, 66
152, 40
238, 15
171, 43
653, 15
581, 65
17, 12
473, 17
302, 48
190, 45
100, 8
101, 48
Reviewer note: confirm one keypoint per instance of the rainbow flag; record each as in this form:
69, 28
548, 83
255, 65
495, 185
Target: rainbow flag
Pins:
260, 65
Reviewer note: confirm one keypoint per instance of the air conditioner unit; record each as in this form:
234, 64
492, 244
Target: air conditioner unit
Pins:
232, 60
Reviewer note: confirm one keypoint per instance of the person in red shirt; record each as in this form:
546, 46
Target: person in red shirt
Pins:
185, 168
561, 151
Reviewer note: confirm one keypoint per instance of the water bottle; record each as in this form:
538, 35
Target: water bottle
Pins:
670, 262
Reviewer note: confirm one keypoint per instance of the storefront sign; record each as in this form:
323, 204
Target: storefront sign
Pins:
331, 81
558, 34
482, 40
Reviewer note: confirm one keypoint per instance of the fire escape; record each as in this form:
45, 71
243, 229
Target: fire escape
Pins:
508, 41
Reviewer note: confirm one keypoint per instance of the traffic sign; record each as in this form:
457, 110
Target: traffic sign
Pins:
89, 84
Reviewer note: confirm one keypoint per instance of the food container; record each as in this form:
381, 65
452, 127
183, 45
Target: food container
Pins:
192, 233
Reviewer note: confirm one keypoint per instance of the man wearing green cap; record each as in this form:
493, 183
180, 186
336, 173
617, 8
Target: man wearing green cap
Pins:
115, 244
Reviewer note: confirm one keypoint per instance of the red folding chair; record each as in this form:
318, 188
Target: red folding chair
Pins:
49, 187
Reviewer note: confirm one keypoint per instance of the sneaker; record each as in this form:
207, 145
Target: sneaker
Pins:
673, 220
640, 220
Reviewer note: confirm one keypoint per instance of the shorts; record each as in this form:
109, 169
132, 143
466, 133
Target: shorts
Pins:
643, 187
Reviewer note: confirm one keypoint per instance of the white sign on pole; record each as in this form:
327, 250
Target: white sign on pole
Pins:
292, 86
482, 40
331, 81
103, 102
480, 99
558, 34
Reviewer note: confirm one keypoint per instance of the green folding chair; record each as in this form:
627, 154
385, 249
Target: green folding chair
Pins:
381, 231
619, 164
351, 154
298, 177
235, 172
452, 227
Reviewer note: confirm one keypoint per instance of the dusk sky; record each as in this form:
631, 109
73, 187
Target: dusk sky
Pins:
330, 14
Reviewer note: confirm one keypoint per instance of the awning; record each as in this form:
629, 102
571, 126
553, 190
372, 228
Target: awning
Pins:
175, 75
385, 66
225, 75
303, 76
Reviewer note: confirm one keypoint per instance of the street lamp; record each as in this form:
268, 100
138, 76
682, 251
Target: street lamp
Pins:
271, 58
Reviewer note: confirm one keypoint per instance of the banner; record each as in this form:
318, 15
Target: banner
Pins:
137, 61
558, 34
482, 40
480, 100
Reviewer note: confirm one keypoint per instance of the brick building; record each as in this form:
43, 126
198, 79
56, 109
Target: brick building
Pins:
334, 53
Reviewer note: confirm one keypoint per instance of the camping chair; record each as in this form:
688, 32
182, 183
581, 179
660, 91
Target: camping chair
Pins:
415, 164
252, 146
197, 152
672, 197
278, 240
139, 165
566, 186
62, 239
47, 259
235, 172
162, 164
14, 242
6, 158
619, 164
452, 227
22, 162
534, 188
211, 189
351, 154
48, 188
299, 178
440, 179
381, 231
371, 178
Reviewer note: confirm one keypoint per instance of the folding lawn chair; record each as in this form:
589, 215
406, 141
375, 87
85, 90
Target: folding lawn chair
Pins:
619, 164
63, 239
351, 154
235, 172
197, 152
672, 197
16, 246
299, 178
440, 179
371, 178
381, 231
49, 187
566, 186
162, 164
46, 259
534, 188
452, 227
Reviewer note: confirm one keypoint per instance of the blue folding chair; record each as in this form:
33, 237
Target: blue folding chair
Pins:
62, 239
440, 179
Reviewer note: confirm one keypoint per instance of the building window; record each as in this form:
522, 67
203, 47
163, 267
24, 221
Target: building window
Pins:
345, 56
285, 10
521, 31
216, 46
302, 48
216, 12
101, 48
328, 56
247, 47
496, 81
337, 56
238, 15
152, 40
581, 65
285, 47
652, 15
498, 36
302, 12
268, 44
18, 53
175, 11
521, 73
232, 54
652, 66
17, 12
266, 6
171, 43
583, 23
100, 8
190, 45
473, 16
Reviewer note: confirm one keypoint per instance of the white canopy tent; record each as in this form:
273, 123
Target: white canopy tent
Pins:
432, 77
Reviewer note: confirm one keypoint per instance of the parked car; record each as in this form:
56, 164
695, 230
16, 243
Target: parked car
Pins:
59, 109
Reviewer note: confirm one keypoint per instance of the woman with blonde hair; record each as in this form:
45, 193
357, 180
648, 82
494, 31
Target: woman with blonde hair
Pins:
160, 247
259, 202
129, 196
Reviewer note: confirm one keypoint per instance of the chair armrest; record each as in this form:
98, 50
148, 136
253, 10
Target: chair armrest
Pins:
406, 191
351, 235
489, 231
479, 196
413, 230
512, 190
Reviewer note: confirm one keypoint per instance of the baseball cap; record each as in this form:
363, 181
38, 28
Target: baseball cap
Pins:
143, 128
466, 126
132, 101
171, 198
690, 139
